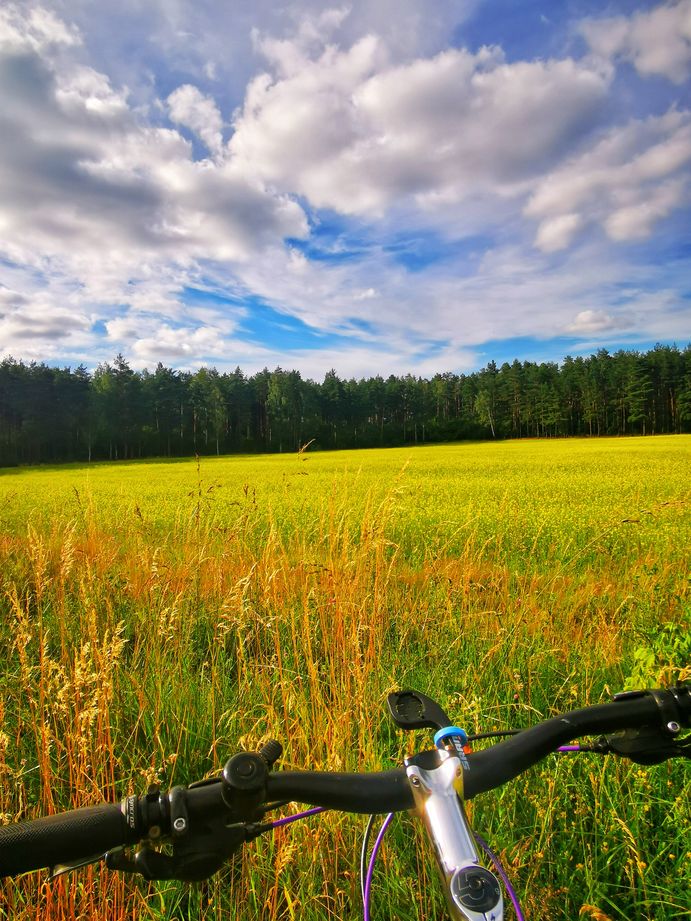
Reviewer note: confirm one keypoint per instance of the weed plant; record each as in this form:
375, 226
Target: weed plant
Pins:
155, 617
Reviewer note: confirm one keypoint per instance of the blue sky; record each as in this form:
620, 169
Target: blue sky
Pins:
378, 186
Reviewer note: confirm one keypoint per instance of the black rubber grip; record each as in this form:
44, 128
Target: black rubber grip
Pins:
62, 838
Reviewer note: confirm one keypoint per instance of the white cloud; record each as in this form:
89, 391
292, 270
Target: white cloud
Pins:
209, 44
657, 42
635, 176
96, 199
360, 361
77, 165
635, 221
290, 55
82, 94
34, 29
596, 321
350, 132
32, 327
189, 107
199, 335
557, 232
172, 344
11, 299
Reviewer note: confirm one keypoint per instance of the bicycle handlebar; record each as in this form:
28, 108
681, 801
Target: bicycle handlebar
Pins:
389, 791
91, 831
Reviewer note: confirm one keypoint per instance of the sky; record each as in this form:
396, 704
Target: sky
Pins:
374, 186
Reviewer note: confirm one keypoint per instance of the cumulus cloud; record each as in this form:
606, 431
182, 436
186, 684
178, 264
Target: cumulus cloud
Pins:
94, 196
656, 42
189, 107
195, 335
34, 29
172, 344
352, 133
290, 55
597, 321
78, 164
633, 177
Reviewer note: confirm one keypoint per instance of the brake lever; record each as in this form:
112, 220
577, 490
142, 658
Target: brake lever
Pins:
190, 861
646, 746
61, 869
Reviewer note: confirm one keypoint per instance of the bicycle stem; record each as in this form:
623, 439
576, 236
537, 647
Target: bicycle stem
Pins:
436, 782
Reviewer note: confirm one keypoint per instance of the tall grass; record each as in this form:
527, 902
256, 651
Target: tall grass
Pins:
157, 617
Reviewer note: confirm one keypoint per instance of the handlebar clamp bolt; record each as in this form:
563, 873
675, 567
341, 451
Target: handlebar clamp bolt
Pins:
673, 727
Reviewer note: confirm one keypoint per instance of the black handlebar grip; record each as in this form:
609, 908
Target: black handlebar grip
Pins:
62, 838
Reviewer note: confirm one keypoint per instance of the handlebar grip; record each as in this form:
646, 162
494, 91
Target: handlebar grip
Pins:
62, 838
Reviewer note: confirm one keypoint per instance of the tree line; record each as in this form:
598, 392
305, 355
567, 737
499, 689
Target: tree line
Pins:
50, 414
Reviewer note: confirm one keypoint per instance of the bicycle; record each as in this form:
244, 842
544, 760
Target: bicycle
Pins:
207, 822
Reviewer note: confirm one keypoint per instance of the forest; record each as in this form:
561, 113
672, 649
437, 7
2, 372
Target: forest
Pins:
51, 414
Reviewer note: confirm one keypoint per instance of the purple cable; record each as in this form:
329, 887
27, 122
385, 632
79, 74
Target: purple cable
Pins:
289, 819
503, 875
569, 748
279, 823
370, 868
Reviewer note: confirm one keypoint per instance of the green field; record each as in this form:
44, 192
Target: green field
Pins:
155, 616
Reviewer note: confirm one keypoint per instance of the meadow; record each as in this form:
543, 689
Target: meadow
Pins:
156, 616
